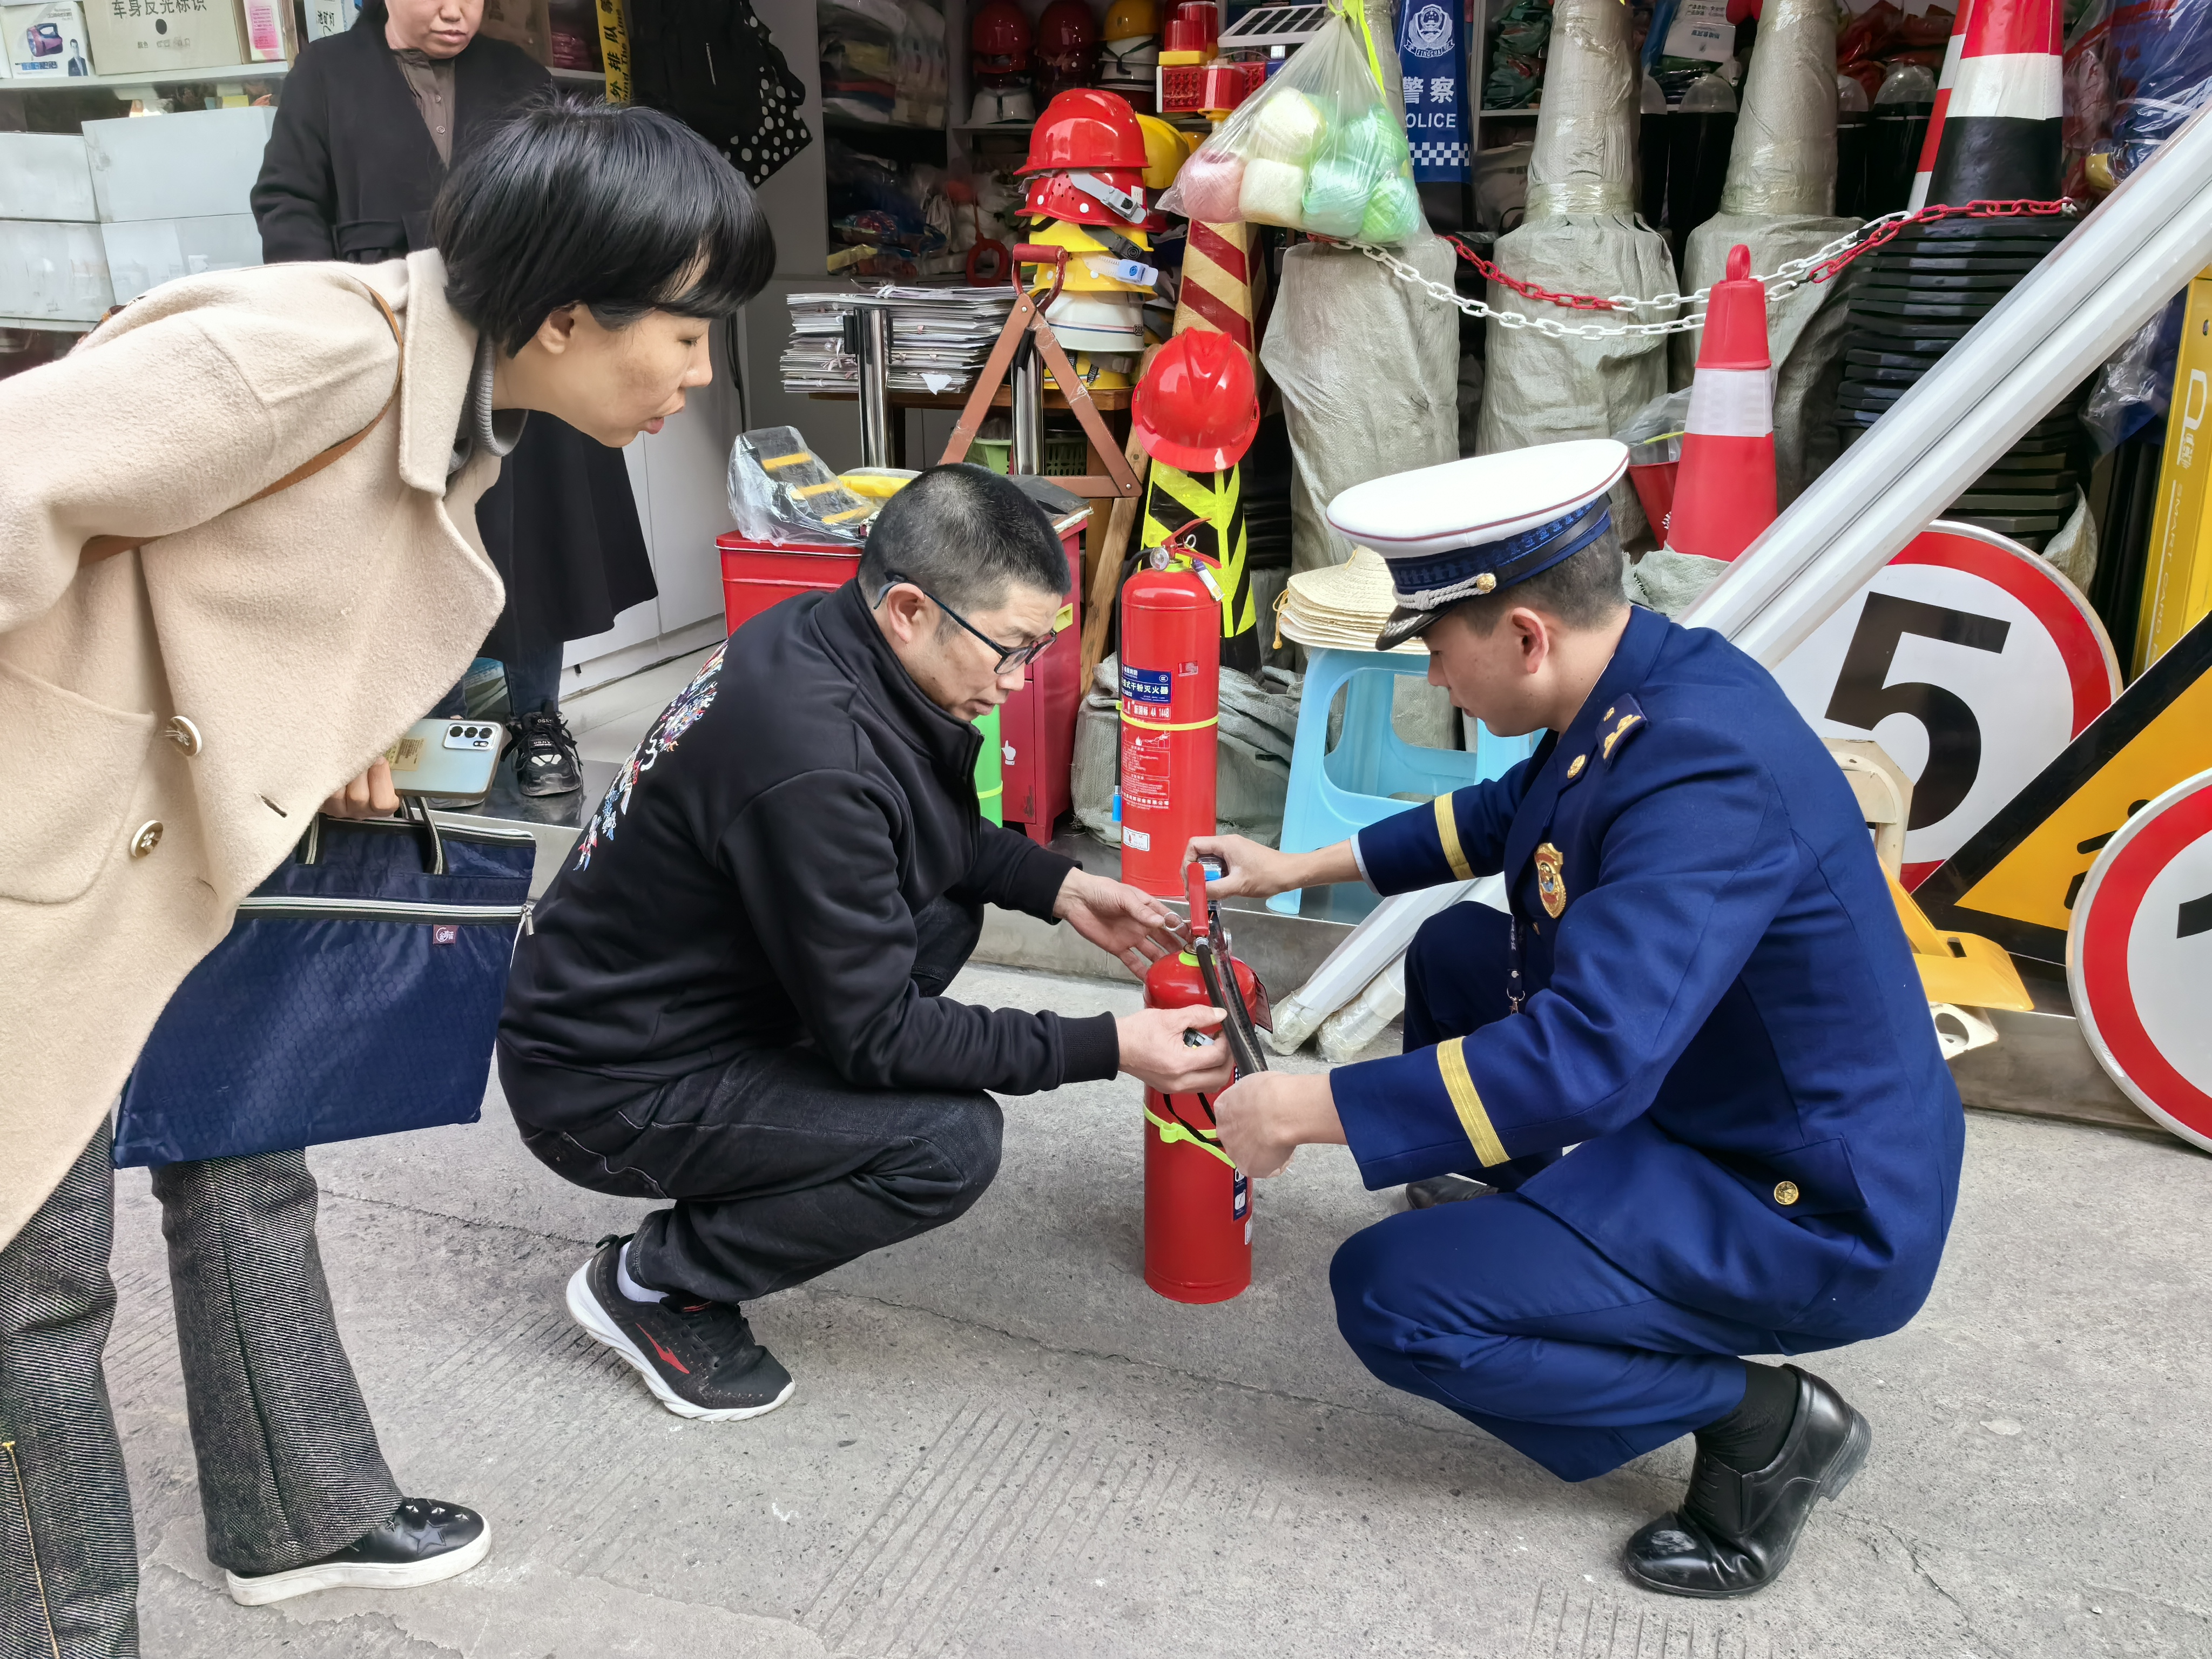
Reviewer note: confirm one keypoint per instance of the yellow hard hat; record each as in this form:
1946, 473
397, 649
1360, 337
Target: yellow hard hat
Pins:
1126, 20
1164, 150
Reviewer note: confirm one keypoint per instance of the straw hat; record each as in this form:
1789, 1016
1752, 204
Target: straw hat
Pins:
1341, 606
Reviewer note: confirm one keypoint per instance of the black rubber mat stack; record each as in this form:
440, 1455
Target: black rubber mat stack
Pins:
1913, 299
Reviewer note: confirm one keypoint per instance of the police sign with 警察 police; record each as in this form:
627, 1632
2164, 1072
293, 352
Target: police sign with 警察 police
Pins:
1700, 985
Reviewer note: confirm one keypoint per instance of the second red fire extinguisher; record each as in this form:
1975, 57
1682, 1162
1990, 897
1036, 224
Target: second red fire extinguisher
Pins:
1170, 714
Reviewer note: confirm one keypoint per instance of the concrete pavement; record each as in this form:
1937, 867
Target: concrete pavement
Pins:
1003, 1444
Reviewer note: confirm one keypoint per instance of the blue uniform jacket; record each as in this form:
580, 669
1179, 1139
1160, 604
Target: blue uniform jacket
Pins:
1724, 1012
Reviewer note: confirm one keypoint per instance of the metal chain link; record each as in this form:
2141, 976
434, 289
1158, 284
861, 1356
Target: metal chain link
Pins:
1791, 275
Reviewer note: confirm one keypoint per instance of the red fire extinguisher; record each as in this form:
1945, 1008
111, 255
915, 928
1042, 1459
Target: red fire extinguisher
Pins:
1198, 1205
1171, 715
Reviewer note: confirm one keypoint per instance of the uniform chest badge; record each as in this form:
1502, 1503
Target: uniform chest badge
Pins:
1551, 880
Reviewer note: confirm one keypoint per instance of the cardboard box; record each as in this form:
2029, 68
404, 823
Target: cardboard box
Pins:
148, 253
45, 42
526, 23
53, 273
178, 167
45, 175
160, 37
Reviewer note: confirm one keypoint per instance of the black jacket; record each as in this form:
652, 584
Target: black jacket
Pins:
350, 172
752, 877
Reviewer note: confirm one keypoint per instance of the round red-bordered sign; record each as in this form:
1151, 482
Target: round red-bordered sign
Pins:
2139, 959
1974, 661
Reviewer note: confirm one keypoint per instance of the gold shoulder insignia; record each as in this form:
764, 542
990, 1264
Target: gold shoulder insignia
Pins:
1623, 719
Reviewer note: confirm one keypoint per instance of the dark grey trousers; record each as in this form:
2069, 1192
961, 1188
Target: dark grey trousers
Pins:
289, 1464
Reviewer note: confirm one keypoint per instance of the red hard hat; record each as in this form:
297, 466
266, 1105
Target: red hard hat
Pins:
1001, 31
1198, 405
1054, 197
1066, 28
1088, 129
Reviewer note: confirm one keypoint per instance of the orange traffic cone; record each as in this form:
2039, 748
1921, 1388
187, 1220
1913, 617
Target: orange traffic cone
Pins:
1724, 491
2001, 138
1949, 79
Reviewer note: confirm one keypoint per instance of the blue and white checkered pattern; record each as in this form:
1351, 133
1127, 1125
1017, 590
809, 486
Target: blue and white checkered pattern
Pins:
1440, 152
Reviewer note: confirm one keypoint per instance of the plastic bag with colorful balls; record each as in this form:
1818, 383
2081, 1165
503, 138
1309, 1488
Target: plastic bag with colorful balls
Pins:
1318, 149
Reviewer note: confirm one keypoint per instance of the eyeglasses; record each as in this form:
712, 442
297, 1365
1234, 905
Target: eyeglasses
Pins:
1011, 657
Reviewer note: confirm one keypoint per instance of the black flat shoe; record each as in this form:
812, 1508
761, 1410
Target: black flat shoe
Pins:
421, 1541
1444, 1189
1735, 1533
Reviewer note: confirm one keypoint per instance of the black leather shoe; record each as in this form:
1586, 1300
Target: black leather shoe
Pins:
1443, 1189
422, 1541
1735, 1533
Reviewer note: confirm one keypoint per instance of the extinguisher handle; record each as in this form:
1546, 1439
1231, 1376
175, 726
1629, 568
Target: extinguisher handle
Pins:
1196, 878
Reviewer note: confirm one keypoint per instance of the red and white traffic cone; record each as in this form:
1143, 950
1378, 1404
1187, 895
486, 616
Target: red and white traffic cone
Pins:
2000, 139
1725, 488
1948, 79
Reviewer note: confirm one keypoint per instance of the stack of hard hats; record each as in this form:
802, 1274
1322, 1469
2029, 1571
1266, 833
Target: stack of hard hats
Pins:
1916, 297
1066, 47
1087, 170
999, 41
1341, 606
1130, 64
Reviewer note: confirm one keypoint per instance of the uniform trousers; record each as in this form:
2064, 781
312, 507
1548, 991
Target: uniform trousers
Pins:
1509, 1316
289, 1468
782, 1168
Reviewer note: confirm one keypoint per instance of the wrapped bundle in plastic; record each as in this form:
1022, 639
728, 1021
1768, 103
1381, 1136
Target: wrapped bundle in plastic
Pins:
1580, 236
1778, 202
1321, 149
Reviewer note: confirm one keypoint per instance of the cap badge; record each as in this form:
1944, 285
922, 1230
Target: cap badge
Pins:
1485, 582
1551, 880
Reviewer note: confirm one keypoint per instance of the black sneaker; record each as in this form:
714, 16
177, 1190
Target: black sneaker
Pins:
703, 1361
423, 1542
545, 755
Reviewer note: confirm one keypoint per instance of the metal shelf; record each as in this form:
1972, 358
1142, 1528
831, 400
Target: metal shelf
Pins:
159, 78
51, 325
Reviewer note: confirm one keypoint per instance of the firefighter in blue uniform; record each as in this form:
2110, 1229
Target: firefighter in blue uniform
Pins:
1700, 986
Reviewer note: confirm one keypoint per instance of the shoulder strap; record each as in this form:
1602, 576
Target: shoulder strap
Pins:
106, 547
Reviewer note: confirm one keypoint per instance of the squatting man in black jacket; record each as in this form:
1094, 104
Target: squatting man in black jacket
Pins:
732, 995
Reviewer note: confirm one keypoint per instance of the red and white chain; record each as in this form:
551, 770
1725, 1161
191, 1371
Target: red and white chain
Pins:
1820, 266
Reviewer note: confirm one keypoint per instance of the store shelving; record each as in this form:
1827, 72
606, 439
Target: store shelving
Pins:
150, 78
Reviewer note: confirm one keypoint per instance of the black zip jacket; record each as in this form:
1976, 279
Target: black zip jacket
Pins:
752, 877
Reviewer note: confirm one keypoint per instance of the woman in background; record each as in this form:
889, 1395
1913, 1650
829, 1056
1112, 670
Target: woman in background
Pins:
370, 122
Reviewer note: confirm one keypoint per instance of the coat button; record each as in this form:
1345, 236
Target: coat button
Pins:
1785, 1192
183, 734
146, 838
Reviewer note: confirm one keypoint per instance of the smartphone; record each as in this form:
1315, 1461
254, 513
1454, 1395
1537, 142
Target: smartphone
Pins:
454, 758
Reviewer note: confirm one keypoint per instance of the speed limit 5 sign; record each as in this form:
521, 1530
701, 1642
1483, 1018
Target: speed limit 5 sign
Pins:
2139, 959
1972, 662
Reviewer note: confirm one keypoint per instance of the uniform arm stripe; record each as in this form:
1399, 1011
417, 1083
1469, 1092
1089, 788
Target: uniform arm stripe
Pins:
1451, 1060
1448, 837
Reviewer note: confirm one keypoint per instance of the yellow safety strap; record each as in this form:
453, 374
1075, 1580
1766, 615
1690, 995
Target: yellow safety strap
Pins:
1172, 1132
987, 794
1164, 726
1367, 35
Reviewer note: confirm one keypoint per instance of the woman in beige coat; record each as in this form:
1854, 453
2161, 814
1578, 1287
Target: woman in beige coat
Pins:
238, 558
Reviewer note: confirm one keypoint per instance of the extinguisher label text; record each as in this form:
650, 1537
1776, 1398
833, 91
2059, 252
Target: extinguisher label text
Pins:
1139, 839
1151, 685
1239, 1201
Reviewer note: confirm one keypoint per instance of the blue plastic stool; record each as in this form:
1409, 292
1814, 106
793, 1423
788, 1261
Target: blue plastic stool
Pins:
1334, 794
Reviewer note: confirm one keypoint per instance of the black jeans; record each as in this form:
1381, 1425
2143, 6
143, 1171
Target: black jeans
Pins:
781, 1169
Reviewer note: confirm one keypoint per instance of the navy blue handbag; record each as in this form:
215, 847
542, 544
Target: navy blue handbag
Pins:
357, 994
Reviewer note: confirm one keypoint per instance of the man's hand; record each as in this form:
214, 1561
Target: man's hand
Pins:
1257, 872
368, 796
1266, 1117
1155, 1051
1121, 920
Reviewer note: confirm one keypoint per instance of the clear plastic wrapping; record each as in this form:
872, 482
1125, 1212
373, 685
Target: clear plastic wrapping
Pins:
781, 492
1319, 148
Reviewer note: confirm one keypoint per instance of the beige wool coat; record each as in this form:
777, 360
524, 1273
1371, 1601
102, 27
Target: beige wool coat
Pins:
296, 636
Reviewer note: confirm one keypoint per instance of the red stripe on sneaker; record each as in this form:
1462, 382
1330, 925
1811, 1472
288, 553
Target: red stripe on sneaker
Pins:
667, 1358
